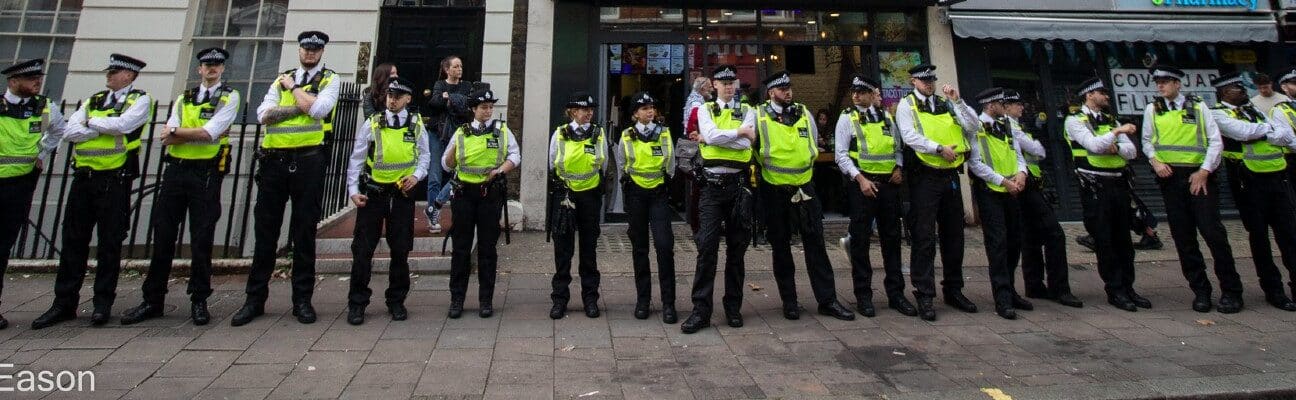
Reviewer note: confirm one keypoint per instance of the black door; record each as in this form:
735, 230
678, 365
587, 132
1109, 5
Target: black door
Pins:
415, 39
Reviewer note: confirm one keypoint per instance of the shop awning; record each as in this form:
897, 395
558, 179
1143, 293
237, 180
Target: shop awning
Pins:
1114, 27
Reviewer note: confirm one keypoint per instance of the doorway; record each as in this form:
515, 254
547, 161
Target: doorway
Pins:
416, 39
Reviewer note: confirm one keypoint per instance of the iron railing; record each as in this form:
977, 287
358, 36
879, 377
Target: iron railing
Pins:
40, 237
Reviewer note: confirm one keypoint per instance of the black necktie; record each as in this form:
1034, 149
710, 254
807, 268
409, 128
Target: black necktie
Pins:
112, 101
396, 120
931, 104
305, 78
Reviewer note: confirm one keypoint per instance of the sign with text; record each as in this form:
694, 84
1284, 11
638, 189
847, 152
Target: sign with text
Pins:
1133, 88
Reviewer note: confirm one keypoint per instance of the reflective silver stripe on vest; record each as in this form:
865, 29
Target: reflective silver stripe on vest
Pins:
283, 130
864, 154
561, 166
380, 161
986, 156
462, 155
1253, 156
1200, 147
664, 141
1186, 149
118, 148
5, 160
765, 148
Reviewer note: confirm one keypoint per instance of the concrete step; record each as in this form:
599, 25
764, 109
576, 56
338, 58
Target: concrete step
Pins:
343, 245
426, 263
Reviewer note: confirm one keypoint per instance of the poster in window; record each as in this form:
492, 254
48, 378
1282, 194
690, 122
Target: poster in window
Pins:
614, 58
634, 59
895, 67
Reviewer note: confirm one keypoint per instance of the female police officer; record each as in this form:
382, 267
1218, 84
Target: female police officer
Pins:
646, 159
480, 153
577, 155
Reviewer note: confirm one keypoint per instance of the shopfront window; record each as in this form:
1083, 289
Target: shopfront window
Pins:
40, 29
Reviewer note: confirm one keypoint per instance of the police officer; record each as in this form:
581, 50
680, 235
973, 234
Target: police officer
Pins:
940, 130
1042, 233
30, 129
999, 173
726, 130
106, 136
870, 155
786, 138
480, 153
646, 156
1253, 157
577, 156
197, 156
1182, 142
389, 158
1284, 118
297, 110
1101, 148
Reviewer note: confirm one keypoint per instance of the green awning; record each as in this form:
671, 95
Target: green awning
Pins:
1116, 27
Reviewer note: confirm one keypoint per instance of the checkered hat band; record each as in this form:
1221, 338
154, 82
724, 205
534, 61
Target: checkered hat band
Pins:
400, 87
924, 74
27, 70
784, 80
992, 99
1230, 81
1289, 76
724, 74
1165, 74
313, 40
123, 65
1093, 87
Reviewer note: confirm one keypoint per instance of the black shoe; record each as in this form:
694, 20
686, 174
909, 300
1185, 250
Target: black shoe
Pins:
198, 313
355, 315
1005, 311
456, 309
1122, 302
903, 306
865, 308
1230, 304
792, 310
4, 323
558, 311
591, 310
694, 323
641, 311
1148, 243
304, 312
53, 316
1069, 300
1022, 304
669, 315
397, 311
925, 309
1281, 302
1202, 303
487, 310
836, 310
246, 313
141, 313
1038, 293
957, 300
1143, 302
1088, 242
733, 318
100, 316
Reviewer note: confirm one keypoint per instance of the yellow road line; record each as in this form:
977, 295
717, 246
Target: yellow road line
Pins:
996, 394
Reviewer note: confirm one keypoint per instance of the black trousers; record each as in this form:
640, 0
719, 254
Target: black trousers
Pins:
1001, 226
195, 190
935, 211
716, 219
298, 178
1106, 202
884, 210
1044, 253
589, 205
474, 213
648, 211
783, 217
1189, 214
390, 214
14, 206
1266, 200
98, 204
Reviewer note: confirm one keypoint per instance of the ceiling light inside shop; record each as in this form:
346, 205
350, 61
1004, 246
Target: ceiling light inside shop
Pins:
834, 15
810, 22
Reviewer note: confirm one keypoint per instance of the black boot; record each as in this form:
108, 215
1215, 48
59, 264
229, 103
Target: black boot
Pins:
247, 313
695, 322
902, 305
1230, 304
925, 309
456, 309
641, 310
304, 312
1202, 303
198, 313
836, 310
956, 299
397, 311
487, 309
558, 311
669, 315
141, 313
1022, 304
865, 307
53, 316
355, 314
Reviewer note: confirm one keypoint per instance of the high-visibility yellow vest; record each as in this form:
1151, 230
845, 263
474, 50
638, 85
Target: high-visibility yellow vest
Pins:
720, 156
1288, 110
109, 152
301, 130
578, 162
21, 128
874, 146
395, 148
647, 162
943, 129
1094, 161
997, 152
787, 151
477, 153
1032, 161
195, 115
1257, 155
1179, 136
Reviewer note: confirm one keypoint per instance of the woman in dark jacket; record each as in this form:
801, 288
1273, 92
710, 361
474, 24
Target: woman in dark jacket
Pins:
447, 109
375, 101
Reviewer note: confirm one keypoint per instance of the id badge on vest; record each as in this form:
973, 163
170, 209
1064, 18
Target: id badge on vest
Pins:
886, 127
492, 143
27, 114
34, 127
207, 113
408, 137
657, 151
1190, 118
590, 149
737, 114
803, 132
